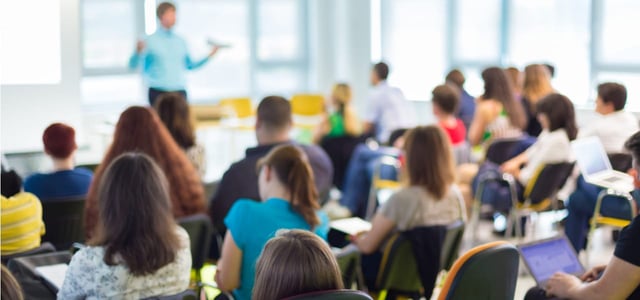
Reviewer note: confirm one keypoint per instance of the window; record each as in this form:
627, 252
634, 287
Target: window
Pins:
276, 29
554, 32
587, 41
477, 34
413, 43
109, 34
619, 21
223, 21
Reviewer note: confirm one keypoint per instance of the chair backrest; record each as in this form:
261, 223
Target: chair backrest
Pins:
33, 284
451, 244
470, 277
501, 150
414, 267
378, 182
620, 161
241, 107
546, 183
398, 268
339, 150
332, 294
184, 295
349, 262
307, 104
200, 232
63, 221
45, 247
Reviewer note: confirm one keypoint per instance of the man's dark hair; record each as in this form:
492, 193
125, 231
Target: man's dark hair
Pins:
633, 145
11, 183
456, 77
611, 92
164, 7
274, 112
447, 98
382, 70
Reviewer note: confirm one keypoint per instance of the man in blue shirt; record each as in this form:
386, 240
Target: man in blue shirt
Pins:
164, 57
65, 181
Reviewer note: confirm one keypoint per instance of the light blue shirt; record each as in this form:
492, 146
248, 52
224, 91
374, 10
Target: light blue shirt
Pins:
388, 110
164, 60
252, 224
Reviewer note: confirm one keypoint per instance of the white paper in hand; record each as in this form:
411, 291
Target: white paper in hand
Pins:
53, 273
350, 226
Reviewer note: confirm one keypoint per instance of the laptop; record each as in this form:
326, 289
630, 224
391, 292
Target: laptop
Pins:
545, 257
596, 167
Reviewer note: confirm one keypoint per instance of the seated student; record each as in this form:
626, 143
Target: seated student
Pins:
64, 181
557, 117
357, 178
131, 255
388, 109
290, 201
445, 102
21, 216
173, 111
430, 198
273, 125
537, 85
295, 262
621, 277
342, 119
467, 102
613, 127
140, 129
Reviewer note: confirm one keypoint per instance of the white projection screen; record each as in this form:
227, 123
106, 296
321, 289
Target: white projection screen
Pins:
30, 42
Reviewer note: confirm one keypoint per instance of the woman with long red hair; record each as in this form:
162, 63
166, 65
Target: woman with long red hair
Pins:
139, 129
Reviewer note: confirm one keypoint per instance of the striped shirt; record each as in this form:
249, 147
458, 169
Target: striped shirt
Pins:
21, 222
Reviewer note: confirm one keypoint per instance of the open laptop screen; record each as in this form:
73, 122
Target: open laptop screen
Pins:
590, 155
548, 256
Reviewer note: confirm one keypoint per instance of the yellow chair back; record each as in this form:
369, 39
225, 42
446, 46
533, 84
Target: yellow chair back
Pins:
242, 107
307, 104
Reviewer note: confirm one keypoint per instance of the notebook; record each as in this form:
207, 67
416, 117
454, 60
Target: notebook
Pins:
596, 168
545, 257
350, 226
53, 274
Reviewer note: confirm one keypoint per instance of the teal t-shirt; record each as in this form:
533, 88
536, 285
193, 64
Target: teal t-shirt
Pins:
253, 223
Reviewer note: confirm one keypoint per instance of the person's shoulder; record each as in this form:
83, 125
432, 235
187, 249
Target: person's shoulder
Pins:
20, 199
244, 204
34, 179
84, 172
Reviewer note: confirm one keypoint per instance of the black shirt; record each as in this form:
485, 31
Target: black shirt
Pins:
241, 179
628, 248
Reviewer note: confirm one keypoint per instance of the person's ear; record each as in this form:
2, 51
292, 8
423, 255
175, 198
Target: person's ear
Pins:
267, 173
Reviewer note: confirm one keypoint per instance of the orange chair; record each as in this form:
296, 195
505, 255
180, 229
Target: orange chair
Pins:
489, 271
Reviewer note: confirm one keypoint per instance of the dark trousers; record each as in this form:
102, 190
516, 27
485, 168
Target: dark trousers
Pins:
154, 93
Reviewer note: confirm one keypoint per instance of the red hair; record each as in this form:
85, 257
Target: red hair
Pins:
139, 129
59, 140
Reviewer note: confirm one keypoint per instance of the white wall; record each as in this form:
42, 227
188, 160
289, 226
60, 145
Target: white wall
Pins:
26, 110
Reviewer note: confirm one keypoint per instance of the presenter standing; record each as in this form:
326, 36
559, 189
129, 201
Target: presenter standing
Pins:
164, 57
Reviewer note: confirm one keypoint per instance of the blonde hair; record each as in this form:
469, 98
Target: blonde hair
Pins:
537, 83
295, 262
429, 159
341, 94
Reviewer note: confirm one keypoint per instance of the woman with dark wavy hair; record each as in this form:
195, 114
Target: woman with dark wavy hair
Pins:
173, 110
498, 113
140, 129
137, 250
